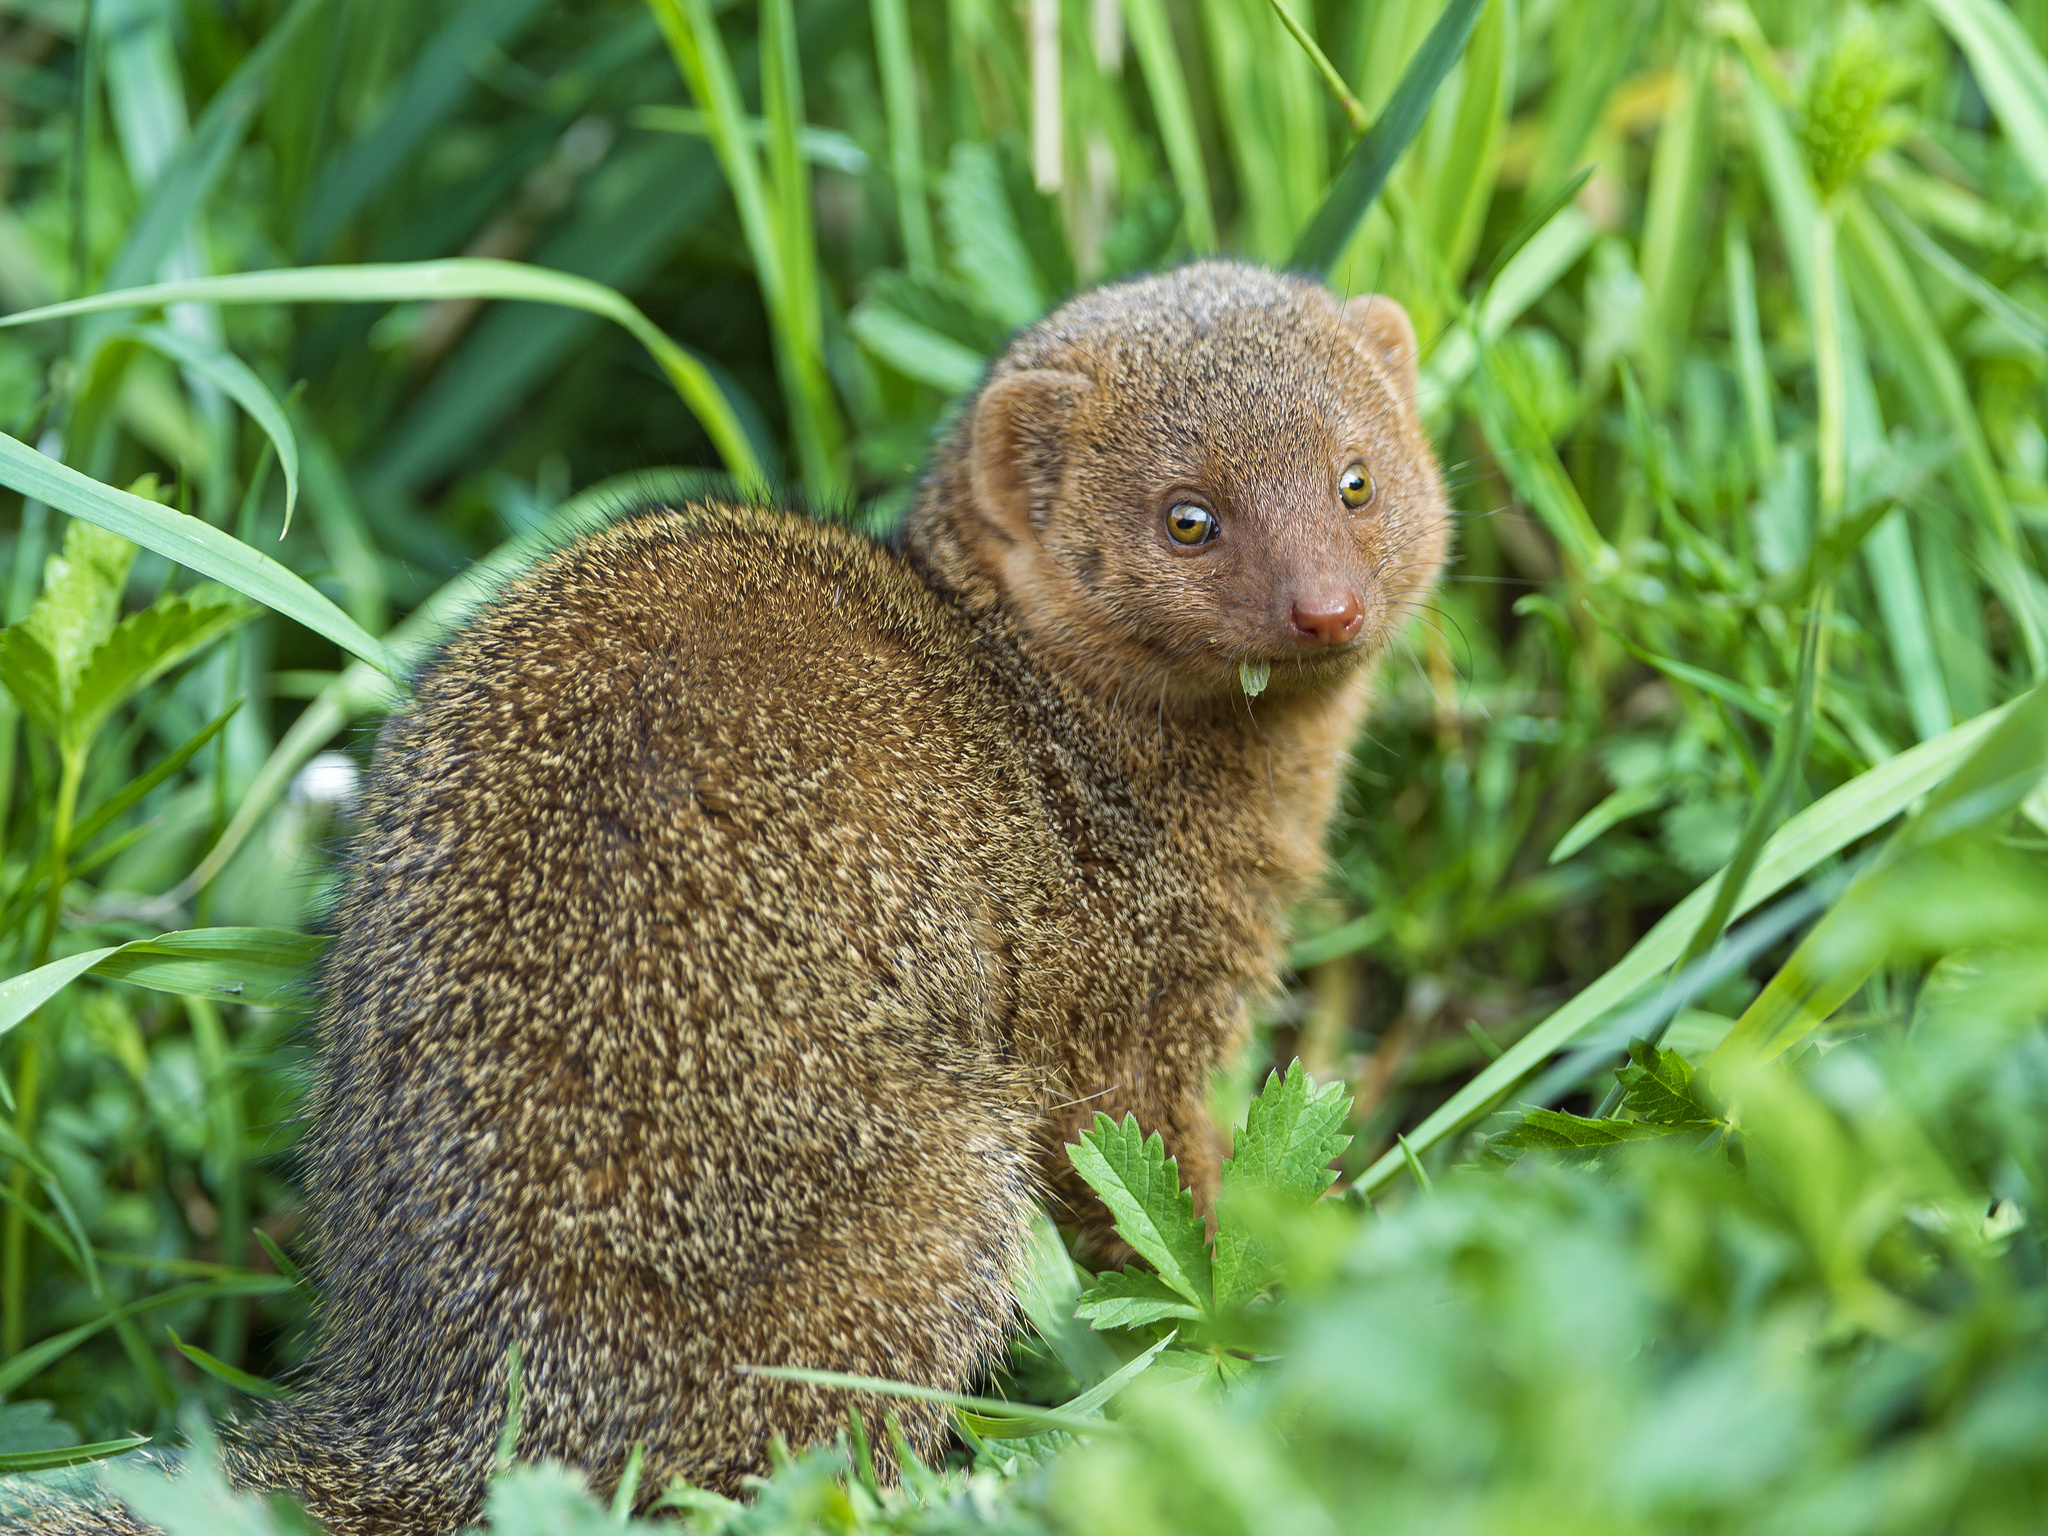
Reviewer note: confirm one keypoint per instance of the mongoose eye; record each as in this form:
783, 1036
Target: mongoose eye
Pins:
1355, 486
1190, 524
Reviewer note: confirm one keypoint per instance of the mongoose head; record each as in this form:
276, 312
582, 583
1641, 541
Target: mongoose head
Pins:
1171, 479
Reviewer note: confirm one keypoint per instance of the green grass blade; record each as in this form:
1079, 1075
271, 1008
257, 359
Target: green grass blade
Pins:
1351, 195
1674, 229
188, 179
897, 67
2021, 322
244, 965
1354, 112
815, 413
821, 146
457, 278
1152, 37
1752, 376
1821, 830
1074, 1423
38, 1358
916, 351
67, 1456
441, 76
1526, 453
185, 541
2008, 69
220, 1370
235, 379
699, 51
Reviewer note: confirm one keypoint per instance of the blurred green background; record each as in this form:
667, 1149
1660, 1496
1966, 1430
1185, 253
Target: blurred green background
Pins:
1735, 332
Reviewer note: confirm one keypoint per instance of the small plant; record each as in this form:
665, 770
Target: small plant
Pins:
1281, 1163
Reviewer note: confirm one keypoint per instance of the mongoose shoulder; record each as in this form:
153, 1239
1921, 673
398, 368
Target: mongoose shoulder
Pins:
747, 913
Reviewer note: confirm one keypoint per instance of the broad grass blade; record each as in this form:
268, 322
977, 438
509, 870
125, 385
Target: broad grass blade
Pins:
186, 541
2008, 69
1366, 171
1152, 37
1824, 828
238, 381
457, 278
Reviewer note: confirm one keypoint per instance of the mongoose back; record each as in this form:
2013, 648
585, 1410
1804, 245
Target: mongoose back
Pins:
747, 913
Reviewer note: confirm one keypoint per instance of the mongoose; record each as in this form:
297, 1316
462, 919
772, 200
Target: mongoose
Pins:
747, 913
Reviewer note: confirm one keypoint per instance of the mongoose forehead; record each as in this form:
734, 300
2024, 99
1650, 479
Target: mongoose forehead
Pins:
1249, 408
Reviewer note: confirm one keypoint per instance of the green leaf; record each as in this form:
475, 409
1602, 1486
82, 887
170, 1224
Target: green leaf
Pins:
188, 178
1292, 1131
1631, 800
2004, 769
1141, 1186
1025, 1414
29, 672
1551, 1130
243, 965
220, 1370
81, 597
2008, 69
1822, 829
186, 541
1844, 948
30, 891
37, 1358
1352, 193
916, 351
1048, 1288
470, 277
1167, 84
988, 244
67, 1456
1130, 1298
1657, 1086
235, 379
142, 648
42, 656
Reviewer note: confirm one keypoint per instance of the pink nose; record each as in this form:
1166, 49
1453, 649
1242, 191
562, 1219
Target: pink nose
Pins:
1326, 619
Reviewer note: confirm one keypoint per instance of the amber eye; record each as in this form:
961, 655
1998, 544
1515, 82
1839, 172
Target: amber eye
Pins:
1355, 486
1190, 524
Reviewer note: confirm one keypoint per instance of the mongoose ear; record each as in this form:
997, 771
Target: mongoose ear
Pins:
1387, 331
1019, 440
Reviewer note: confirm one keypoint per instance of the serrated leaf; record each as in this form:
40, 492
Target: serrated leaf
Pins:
1657, 1086
988, 246
1292, 1131
81, 596
142, 648
1130, 1298
29, 672
1141, 1186
1551, 1130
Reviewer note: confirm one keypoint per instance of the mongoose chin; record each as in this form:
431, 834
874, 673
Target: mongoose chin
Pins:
746, 913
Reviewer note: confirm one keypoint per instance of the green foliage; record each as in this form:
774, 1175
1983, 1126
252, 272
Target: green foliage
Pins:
1732, 321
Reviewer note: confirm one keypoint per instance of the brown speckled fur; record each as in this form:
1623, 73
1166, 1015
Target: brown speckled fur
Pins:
747, 913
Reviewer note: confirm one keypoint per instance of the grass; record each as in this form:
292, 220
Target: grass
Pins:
1735, 333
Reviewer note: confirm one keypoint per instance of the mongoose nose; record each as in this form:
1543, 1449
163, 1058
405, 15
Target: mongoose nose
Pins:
1326, 619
